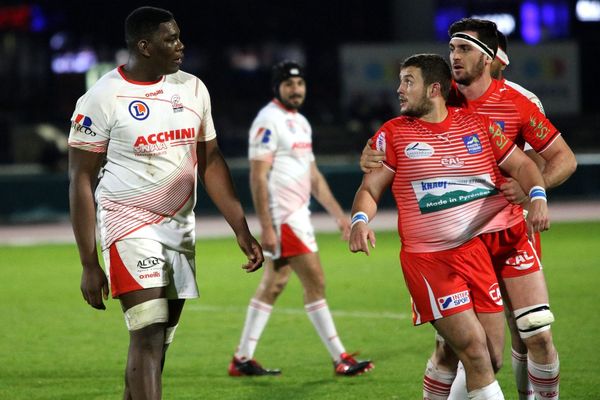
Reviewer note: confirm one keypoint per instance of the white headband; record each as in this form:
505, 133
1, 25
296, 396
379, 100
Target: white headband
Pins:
502, 56
478, 44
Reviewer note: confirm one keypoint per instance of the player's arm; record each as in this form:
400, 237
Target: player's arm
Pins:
560, 163
83, 172
259, 186
216, 178
364, 208
321, 191
370, 158
525, 172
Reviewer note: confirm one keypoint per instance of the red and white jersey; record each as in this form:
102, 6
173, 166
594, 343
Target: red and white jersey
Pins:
531, 97
148, 130
520, 120
446, 178
283, 138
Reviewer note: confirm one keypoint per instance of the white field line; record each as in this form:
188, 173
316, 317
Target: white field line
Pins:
298, 311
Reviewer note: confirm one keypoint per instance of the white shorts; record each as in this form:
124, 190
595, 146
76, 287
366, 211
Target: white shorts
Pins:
136, 264
295, 236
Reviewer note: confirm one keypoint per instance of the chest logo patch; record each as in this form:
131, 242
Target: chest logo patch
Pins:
417, 150
139, 110
472, 143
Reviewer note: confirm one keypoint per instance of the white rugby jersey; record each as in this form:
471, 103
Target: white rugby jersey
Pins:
148, 130
283, 138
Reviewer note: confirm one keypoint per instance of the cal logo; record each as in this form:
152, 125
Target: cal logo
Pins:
454, 300
139, 110
495, 293
472, 143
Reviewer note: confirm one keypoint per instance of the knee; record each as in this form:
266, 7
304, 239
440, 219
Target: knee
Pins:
443, 355
497, 362
540, 343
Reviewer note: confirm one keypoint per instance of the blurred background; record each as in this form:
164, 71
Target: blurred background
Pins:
52, 51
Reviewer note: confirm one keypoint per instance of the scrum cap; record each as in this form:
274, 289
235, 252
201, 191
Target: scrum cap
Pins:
285, 70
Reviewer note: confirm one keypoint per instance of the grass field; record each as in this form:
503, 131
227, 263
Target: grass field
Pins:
54, 346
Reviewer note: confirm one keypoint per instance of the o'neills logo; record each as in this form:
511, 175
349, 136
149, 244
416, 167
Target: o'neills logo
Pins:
158, 141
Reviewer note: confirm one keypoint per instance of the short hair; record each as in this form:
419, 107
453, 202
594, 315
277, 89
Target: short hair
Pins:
486, 30
434, 68
143, 22
502, 42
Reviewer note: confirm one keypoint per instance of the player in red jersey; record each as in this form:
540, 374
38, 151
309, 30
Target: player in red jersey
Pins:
518, 269
442, 206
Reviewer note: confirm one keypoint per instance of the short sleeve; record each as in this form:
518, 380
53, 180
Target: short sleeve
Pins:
207, 125
90, 123
536, 129
262, 140
382, 141
502, 146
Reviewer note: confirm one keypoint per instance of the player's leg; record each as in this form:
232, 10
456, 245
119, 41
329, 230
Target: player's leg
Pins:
276, 274
530, 305
466, 336
308, 268
441, 372
146, 313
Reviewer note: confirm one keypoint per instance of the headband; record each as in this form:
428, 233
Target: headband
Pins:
502, 56
484, 48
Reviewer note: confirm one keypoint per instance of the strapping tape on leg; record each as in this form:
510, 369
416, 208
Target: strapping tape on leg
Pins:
170, 334
533, 319
147, 313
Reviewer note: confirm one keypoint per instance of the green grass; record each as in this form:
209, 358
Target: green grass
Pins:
54, 346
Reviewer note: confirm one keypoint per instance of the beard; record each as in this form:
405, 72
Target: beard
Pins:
292, 103
477, 71
417, 111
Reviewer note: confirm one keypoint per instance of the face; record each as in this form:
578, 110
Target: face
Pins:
412, 93
165, 48
292, 92
467, 62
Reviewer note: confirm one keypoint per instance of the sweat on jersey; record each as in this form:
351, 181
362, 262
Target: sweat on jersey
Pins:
446, 178
148, 130
283, 138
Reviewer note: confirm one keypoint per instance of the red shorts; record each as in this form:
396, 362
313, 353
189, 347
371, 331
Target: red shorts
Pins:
447, 282
512, 252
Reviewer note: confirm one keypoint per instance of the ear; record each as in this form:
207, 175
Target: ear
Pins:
143, 46
435, 89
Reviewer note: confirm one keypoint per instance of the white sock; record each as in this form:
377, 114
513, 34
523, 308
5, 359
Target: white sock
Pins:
544, 379
519, 366
458, 391
436, 383
257, 317
489, 392
320, 316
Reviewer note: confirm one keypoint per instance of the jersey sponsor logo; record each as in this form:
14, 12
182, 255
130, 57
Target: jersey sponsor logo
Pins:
302, 145
495, 294
521, 261
176, 103
452, 162
501, 124
83, 124
148, 262
416, 150
266, 135
541, 130
380, 141
497, 136
438, 194
155, 274
139, 110
158, 141
472, 143
454, 300
291, 126
154, 94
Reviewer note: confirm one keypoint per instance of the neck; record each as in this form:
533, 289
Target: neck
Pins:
477, 88
437, 115
136, 71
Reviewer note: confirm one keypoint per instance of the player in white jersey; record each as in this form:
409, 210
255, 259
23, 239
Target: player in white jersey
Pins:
142, 133
283, 175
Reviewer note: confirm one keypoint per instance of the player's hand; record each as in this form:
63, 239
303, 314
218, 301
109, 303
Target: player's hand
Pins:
253, 251
268, 240
361, 237
538, 219
513, 191
94, 286
370, 159
344, 227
